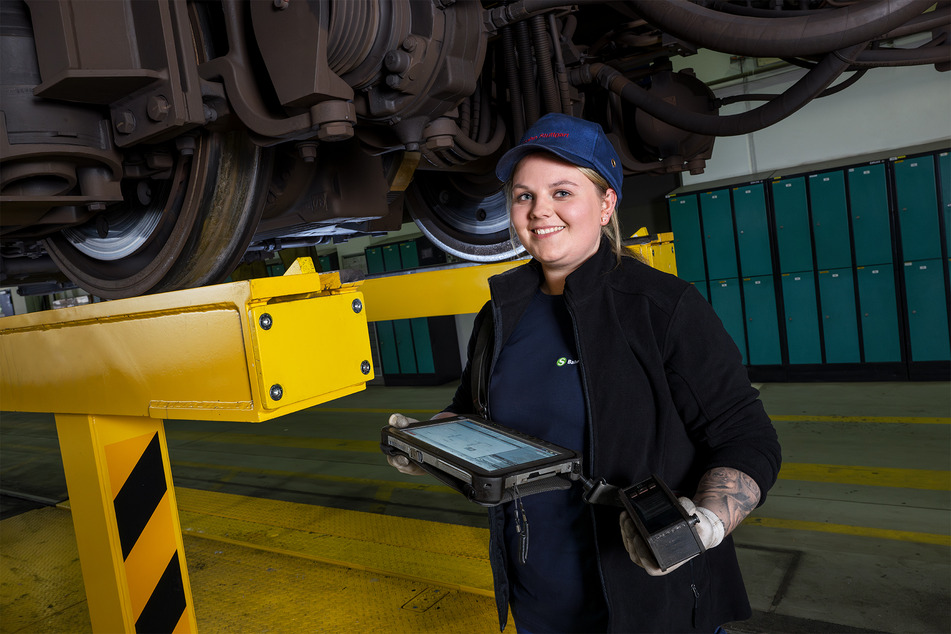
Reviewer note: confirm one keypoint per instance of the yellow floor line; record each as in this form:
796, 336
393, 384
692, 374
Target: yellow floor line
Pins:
845, 529
905, 420
929, 480
417, 486
442, 582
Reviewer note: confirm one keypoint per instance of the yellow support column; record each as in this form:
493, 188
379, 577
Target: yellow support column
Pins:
126, 523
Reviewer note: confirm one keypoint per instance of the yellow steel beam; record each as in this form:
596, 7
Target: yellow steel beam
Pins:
464, 289
454, 291
244, 351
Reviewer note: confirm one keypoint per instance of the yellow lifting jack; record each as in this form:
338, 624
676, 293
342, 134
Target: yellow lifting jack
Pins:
112, 372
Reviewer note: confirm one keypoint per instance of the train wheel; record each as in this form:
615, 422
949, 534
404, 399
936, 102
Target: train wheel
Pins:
463, 214
188, 229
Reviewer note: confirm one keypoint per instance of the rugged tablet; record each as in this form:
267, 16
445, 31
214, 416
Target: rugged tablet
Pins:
486, 462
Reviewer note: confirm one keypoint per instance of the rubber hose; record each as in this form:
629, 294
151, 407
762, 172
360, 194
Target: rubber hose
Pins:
511, 78
526, 74
546, 76
779, 37
797, 96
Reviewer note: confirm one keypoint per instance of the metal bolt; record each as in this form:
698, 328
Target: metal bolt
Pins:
276, 392
365, 367
266, 321
158, 108
307, 151
280, 4
357, 305
125, 122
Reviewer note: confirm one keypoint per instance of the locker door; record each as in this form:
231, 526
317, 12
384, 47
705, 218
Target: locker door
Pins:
423, 345
374, 260
944, 174
792, 225
389, 356
688, 243
868, 198
725, 299
405, 349
752, 231
801, 317
762, 328
927, 310
915, 191
717, 213
702, 287
830, 220
880, 334
391, 258
839, 322
409, 255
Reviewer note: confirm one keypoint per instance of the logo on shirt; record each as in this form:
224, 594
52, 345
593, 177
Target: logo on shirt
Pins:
566, 361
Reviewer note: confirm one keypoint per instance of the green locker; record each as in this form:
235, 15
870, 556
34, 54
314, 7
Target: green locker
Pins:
375, 260
718, 241
830, 220
792, 225
801, 318
762, 327
916, 194
422, 344
879, 309
409, 255
944, 174
389, 357
405, 348
927, 310
688, 243
391, 258
752, 230
725, 299
702, 287
839, 320
868, 199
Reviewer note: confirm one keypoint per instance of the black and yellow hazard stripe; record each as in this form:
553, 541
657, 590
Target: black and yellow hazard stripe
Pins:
147, 534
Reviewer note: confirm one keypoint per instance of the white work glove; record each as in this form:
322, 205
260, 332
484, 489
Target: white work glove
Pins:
402, 463
710, 530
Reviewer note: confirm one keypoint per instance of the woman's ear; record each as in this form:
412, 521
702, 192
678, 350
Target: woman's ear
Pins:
608, 206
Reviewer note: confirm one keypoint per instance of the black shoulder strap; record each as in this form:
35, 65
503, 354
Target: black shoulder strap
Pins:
479, 366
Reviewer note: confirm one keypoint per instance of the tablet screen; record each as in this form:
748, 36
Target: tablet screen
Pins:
479, 445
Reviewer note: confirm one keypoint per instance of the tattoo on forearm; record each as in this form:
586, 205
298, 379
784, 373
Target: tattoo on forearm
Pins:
729, 493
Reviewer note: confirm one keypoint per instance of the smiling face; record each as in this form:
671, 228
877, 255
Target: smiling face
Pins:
557, 214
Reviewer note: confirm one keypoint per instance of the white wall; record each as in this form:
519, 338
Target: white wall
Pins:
887, 110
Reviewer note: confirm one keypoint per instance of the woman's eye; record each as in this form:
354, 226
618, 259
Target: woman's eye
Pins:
523, 196
561, 193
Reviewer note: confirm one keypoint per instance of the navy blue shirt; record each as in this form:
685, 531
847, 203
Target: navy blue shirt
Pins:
536, 388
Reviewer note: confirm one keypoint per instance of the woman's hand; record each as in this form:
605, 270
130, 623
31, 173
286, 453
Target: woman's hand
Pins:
402, 463
709, 529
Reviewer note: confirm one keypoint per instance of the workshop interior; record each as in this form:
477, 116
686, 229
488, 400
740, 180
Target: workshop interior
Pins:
235, 235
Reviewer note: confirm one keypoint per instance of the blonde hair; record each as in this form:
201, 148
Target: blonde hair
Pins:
611, 231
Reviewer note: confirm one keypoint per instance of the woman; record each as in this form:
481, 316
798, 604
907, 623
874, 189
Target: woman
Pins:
630, 366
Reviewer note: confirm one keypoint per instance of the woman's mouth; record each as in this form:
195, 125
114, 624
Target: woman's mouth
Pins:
547, 230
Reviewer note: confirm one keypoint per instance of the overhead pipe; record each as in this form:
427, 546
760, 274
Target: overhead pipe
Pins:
546, 74
777, 109
511, 78
795, 36
526, 72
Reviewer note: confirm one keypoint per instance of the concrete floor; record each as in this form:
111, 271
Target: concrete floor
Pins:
855, 537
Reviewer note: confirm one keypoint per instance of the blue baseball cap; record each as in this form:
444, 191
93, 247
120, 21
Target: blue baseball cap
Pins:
577, 141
